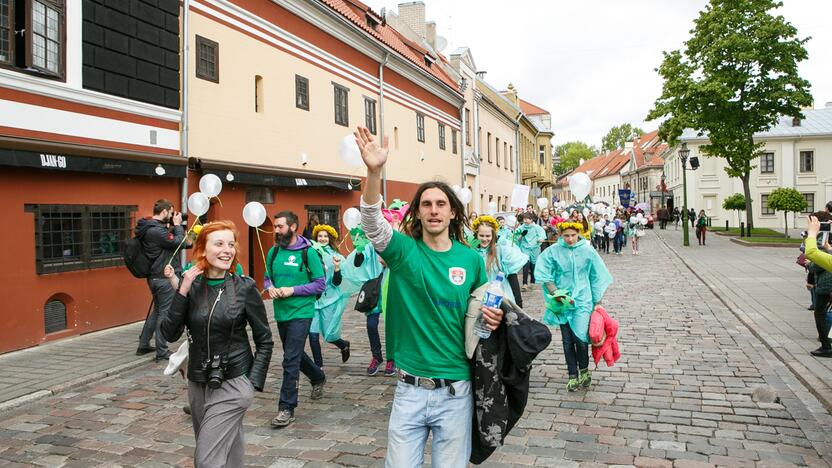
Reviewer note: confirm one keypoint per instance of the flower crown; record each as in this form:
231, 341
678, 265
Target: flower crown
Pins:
485, 219
333, 235
570, 225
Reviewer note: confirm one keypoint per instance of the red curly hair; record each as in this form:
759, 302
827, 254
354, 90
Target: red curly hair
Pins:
199, 259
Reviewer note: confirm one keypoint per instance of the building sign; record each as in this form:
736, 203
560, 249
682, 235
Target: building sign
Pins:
624, 196
65, 162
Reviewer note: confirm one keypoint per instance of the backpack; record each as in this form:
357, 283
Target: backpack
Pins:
136, 259
304, 263
369, 295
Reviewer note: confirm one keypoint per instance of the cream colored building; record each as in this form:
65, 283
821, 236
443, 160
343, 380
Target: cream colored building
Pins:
497, 135
643, 174
534, 146
796, 154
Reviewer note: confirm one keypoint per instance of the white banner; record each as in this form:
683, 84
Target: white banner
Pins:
520, 196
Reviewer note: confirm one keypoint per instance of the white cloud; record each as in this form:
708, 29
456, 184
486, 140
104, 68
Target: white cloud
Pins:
591, 64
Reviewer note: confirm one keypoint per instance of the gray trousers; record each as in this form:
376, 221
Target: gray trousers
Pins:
162, 293
217, 416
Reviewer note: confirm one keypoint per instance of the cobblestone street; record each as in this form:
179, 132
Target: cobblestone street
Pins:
680, 396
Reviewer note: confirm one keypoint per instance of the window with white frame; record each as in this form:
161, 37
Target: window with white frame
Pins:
807, 161
767, 163
764, 209
810, 203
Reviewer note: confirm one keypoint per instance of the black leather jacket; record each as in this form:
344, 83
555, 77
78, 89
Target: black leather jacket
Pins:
239, 305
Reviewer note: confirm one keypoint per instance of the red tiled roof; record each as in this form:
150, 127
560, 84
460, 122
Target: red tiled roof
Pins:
531, 109
354, 10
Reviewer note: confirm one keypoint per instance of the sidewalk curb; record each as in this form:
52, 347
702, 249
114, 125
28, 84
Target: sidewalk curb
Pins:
80, 381
763, 244
793, 365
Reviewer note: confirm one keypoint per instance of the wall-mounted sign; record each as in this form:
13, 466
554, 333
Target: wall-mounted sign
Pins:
65, 162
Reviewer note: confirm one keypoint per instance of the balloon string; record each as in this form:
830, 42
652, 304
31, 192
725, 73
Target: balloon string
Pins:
218, 199
261, 247
185, 237
265, 231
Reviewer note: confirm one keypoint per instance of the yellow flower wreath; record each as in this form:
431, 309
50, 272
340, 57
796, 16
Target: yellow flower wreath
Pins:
570, 225
485, 219
333, 235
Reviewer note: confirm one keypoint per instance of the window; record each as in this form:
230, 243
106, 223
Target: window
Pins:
810, 203
327, 214
468, 127
46, 36
453, 141
767, 163
80, 237
807, 161
340, 93
441, 136
505, 155
420, 127
207, 59
489, 146
542, 154
479, 139
301, 92
370, 115
765, 210
258, 94
497, 150
511, 158
6, 31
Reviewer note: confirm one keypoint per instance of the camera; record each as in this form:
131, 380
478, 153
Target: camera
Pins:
215, 368
824, 227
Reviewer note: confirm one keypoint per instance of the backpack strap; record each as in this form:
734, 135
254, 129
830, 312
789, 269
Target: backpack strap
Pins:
269, 260
304, 262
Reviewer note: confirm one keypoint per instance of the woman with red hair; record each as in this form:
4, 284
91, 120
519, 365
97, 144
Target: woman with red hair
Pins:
216, 305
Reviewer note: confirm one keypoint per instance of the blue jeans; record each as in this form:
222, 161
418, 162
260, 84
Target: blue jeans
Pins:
293, 335
417, 411
618, 242
372, 335
162, 293
575, 351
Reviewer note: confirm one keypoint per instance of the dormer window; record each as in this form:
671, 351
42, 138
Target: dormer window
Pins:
428, 60
371, 22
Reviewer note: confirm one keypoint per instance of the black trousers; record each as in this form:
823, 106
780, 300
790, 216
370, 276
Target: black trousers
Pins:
821, 303
528, 270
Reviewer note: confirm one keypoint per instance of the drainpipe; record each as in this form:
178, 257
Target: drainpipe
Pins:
477, 149
183, 132
462, 141
381, 118
536, 154
517, 179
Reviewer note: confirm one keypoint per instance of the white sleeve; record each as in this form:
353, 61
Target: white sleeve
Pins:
378, 230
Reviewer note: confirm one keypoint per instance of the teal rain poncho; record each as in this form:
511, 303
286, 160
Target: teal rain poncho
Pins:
580, 270
370, 268
329, 308
530, 243
505, 235
510, 260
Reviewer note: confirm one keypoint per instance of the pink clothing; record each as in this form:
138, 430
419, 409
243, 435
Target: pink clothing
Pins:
603, 331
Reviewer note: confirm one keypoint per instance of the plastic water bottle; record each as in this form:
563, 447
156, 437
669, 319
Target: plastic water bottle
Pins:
493, 298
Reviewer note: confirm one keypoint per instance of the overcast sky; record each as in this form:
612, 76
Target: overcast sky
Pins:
591, 63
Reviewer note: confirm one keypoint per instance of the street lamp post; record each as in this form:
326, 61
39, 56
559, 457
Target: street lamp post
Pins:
683, 156
662, 189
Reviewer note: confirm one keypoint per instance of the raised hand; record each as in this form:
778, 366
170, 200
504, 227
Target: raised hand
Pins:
187, 279
373, 153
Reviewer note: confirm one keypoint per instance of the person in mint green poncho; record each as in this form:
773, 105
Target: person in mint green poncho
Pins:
363, 265
575, 280
505, 235
329, 308
500, 257
529, 236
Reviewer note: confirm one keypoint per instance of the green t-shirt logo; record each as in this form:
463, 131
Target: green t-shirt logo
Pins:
291, 261
457, 275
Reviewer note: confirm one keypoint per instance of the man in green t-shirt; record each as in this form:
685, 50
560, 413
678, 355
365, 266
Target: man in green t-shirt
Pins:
432, 274
294, 275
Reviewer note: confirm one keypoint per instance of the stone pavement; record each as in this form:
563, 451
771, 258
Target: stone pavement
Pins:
767, 290
680, 396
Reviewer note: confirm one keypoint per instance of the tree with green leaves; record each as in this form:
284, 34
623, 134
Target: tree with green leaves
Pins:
570, 155
787, 200
737, 75
735, 202
619, 135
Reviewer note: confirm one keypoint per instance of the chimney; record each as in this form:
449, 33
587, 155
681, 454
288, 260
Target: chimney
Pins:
511, 94
795, 121
413, 15
628, 145
430, 34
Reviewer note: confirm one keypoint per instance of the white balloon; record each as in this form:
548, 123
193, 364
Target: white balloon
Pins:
210, 185
639, 216
492, 207
542, 203
643, 221
579, 185
564, 215
465, 195
350, 152
586, 212
198, 203
254, 214
511, 220
352, 218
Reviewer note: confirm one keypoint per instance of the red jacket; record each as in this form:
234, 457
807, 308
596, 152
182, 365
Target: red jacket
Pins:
603, 331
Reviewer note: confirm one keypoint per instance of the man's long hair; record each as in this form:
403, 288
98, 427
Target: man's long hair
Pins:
413, 225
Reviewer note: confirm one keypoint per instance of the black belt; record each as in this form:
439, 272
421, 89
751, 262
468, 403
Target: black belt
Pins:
424, 382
